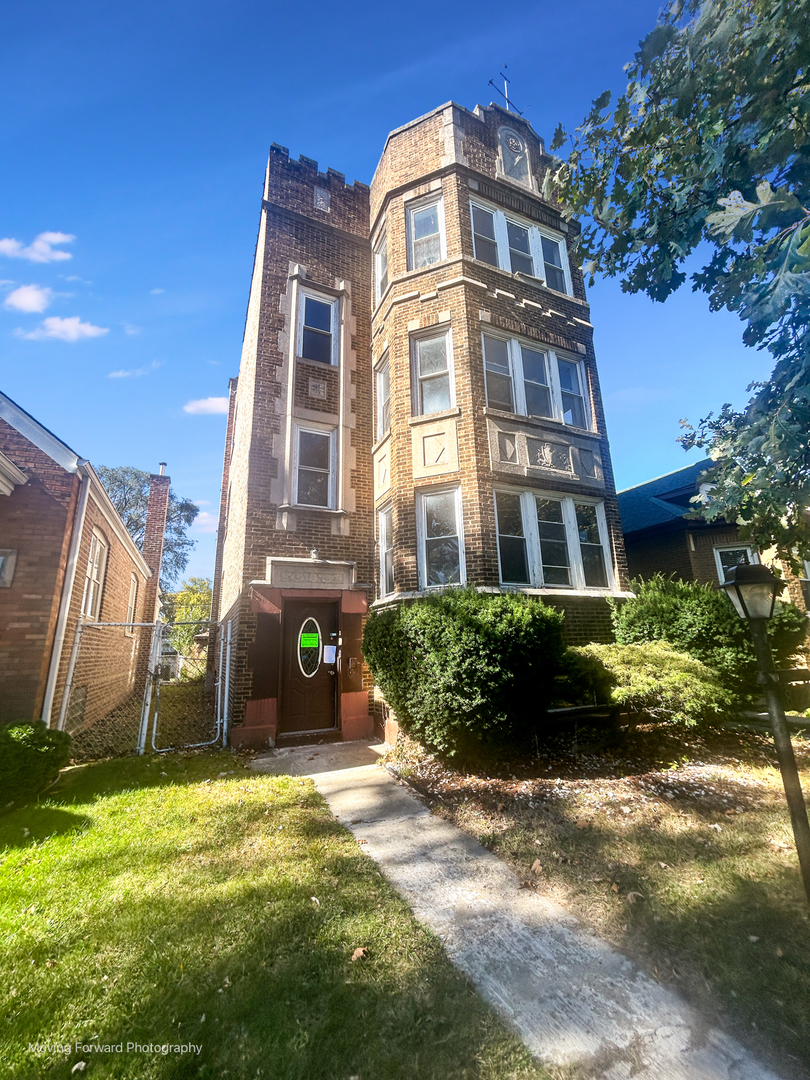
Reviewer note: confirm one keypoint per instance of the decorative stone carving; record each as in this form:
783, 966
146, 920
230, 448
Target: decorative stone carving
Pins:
514, 156
317, 389
507, 447
322, 199
309, 574
382, 472
548, 455
434, 446
434, 449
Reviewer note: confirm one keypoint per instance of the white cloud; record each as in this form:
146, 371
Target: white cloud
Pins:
156, 292
72, 329
201, 502
41, 250
205, 522
134, 373
29, 298
207, 406
131, 329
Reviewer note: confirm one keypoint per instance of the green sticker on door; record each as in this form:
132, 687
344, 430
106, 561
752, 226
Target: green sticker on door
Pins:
309, 641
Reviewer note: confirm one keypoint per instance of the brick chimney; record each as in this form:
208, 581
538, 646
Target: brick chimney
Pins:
152, 551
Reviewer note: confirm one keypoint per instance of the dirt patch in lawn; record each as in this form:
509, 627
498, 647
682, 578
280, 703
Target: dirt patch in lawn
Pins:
676, 847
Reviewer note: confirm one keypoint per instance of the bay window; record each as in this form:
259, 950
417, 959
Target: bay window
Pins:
386, 527
425, 229
441, 548
525, 379
552, 541
432, 374
520, 246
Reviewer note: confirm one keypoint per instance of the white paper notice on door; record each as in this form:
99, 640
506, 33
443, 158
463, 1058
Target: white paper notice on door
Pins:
329, 654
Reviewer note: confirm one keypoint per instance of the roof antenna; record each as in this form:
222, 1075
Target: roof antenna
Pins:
505, 93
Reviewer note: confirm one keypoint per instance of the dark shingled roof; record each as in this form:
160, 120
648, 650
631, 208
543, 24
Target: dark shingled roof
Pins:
661, 500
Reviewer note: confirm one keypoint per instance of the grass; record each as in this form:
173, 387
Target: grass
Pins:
678, 848
183, 900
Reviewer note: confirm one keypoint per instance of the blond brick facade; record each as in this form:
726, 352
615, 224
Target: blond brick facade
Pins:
396, 381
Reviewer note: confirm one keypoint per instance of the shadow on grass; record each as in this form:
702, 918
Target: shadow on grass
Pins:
36, 822
714, 915
253, 969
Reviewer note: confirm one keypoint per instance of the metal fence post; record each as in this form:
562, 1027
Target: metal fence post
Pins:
71, 671
226, 715
154, 661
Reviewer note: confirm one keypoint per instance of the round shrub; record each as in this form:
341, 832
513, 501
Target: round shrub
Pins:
699, 620
462, 669
31, 756
655, 682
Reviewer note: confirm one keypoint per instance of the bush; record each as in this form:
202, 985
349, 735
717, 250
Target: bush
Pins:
31, 756
655, 682
463, 669
699, 620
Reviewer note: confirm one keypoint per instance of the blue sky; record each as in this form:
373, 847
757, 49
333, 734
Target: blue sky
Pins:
134, 140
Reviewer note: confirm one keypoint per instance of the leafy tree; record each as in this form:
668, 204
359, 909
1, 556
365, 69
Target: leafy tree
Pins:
128, 489
192, 603
709, 143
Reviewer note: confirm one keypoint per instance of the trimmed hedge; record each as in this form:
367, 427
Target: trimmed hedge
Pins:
653, 681
699, 620
463, 669
31, 756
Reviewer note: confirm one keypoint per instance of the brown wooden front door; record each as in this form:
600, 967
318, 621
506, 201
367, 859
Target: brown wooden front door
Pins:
309, 681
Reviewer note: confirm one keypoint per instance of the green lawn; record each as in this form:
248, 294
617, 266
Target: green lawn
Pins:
183, 900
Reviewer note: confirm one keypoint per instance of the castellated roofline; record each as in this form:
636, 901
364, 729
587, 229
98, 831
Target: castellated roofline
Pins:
307, 165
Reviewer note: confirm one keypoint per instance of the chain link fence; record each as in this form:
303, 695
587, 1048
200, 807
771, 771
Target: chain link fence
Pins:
134, 687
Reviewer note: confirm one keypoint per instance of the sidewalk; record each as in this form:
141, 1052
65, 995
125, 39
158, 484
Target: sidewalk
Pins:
575, 1002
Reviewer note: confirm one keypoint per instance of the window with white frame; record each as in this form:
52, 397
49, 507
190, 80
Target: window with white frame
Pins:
132, 603
727, 556
432, 367
314, 468
318, 328
525, 379
519, 246
425, 229
380, 268
94, 578
382, 386
441, 544
386, 526
552, 541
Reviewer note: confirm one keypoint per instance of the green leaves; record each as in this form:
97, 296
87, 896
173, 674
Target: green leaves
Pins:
710, 142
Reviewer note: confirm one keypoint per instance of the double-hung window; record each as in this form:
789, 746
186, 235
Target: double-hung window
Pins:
425, 227
432, 367
94, 578
386, 527
314, 468
132, 603
525, 379
380, 268
318, 328
730, 555
441, 546
552, 541
382, 379
519, 246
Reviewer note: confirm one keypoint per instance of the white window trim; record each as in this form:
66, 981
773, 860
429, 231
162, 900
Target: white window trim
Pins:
753, 556
385, 361
382, 242
428, 335
91, 602
423, 203
532, 535
334, 303
555, 390
384, 538
132, 603
316, 429
421, 536
536, 234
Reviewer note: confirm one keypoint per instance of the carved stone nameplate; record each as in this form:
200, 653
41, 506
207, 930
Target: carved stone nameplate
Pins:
309, 574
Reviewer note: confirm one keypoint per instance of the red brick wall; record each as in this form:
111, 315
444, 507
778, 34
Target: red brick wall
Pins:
34, 522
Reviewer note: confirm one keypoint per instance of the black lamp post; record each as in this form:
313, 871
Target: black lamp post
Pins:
752, 590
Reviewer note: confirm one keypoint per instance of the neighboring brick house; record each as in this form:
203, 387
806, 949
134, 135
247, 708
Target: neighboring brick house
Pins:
659, 536
417, 406
64, 553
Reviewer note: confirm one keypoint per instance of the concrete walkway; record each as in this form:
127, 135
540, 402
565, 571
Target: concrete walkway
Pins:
574, 1001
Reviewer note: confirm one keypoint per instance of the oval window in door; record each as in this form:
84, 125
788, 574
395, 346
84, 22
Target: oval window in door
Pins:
310, 647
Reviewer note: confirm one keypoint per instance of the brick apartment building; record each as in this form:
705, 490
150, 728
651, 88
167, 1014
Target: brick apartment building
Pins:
417, 406
64, 554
